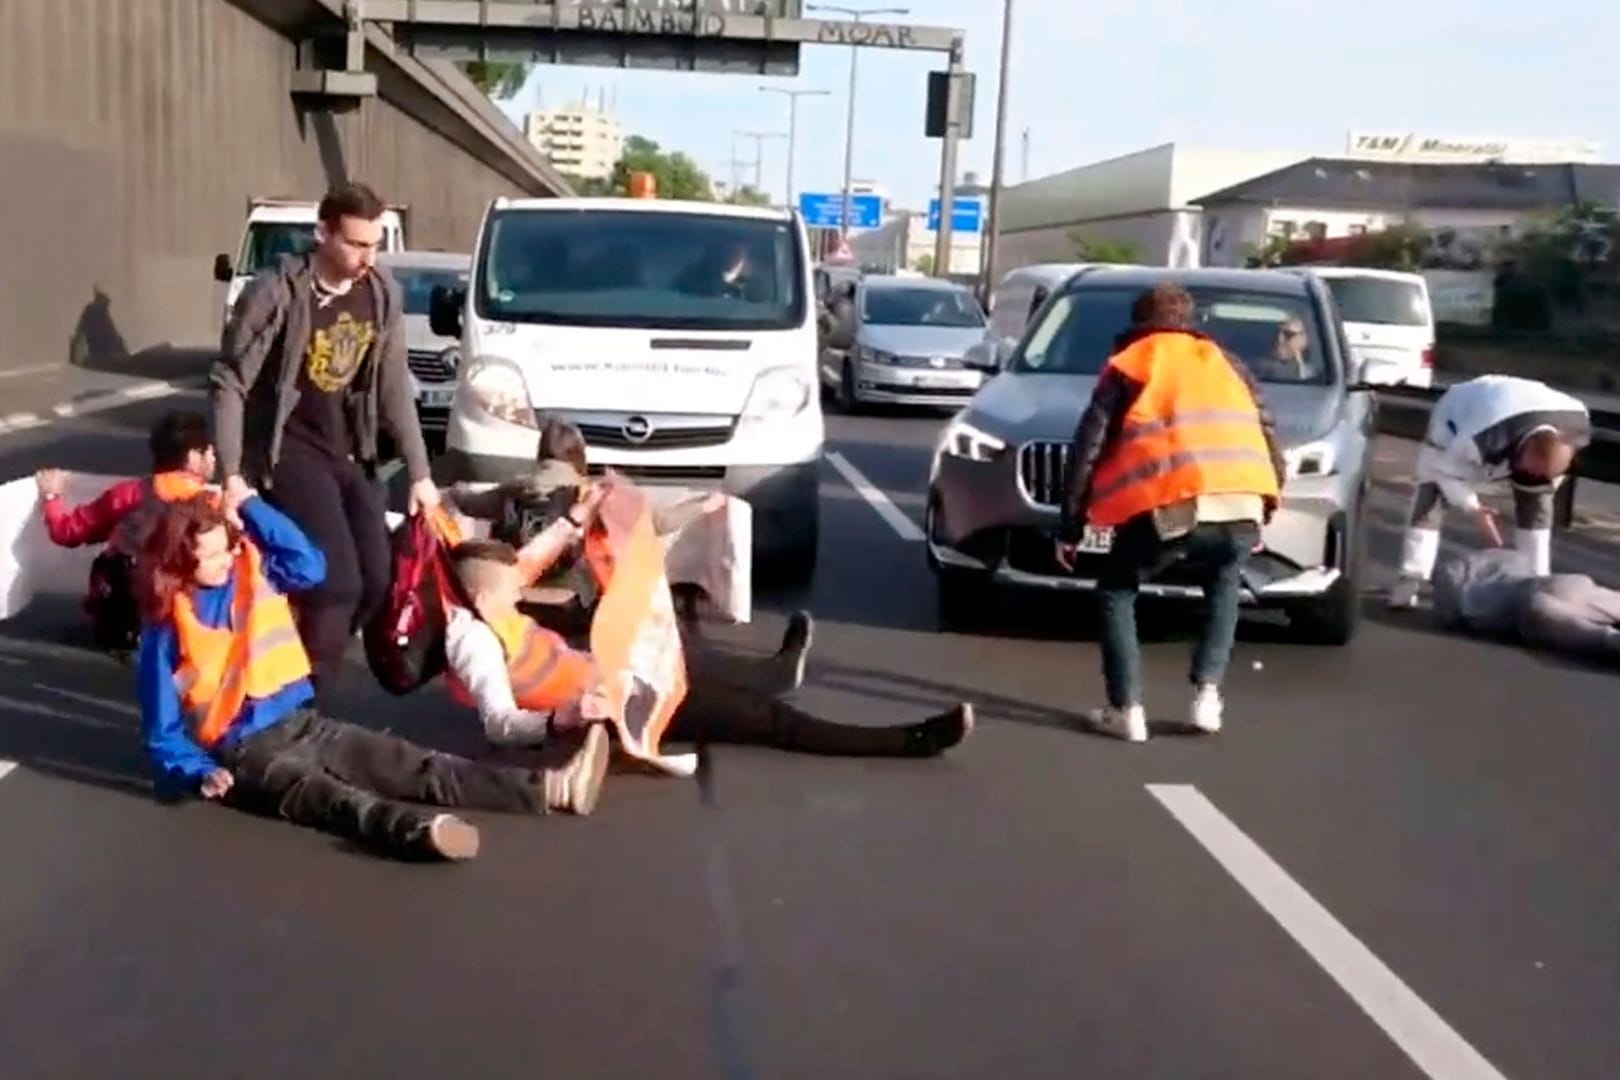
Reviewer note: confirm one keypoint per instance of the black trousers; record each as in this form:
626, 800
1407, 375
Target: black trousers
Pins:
325, 774
342, 511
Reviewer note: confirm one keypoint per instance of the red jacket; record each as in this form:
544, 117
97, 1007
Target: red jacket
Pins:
94, 522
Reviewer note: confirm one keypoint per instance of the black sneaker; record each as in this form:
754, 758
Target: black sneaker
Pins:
940, 733
795, 650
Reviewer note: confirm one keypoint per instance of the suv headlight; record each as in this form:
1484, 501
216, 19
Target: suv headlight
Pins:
778, 392
1311, 459
961, 439
499, 389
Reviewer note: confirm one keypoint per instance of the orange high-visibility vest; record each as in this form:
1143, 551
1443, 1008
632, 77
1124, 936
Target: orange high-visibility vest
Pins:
157, 491
546, 674
1193, 430
222, 667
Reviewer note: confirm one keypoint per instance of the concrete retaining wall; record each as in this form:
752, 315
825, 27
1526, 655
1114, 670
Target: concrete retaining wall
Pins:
133, 132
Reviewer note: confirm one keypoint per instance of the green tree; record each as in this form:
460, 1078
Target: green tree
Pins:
498, 79
591, 186
747, 195
677, 176
924, 264
1098, 249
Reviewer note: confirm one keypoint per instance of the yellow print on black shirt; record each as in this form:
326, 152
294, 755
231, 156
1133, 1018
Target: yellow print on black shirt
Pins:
336, 353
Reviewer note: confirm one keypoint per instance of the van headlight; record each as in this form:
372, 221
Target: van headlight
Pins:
1310, 459
875, 356
961, 439
778, 392
498, 388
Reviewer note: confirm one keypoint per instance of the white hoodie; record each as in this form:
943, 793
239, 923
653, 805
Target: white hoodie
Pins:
1476, 426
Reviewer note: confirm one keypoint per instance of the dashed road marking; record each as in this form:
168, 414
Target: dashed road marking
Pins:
6, 767
386, 472
890, 513
1413, 1026
112, 399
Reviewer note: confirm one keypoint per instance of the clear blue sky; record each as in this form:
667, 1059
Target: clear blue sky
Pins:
1095, 78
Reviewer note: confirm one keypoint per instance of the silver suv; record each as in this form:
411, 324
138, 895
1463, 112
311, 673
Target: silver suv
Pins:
1000, 467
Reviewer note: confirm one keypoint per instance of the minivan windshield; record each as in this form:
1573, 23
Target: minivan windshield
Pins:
1275, 336
626, 268
268, 241
1383, 301
418, 283
922, 307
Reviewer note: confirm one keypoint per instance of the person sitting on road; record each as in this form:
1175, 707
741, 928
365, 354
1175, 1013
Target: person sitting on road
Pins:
226, 700
182, 464
1495, 427
1176, 454
565, 597
1498, 593
527, 681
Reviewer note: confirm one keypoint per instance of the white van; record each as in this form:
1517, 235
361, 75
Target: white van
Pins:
680, 337
277, 227
1387, 321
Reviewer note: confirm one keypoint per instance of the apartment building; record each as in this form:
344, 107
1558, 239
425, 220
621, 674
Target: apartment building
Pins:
580, 141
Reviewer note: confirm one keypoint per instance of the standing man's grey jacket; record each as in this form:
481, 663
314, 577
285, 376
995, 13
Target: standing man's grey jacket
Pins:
254, 383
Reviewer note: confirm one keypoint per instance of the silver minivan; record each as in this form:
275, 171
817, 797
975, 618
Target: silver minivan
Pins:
1001, 467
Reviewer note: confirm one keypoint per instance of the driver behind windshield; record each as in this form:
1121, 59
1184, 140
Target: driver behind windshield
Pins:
722, 270
1287, 361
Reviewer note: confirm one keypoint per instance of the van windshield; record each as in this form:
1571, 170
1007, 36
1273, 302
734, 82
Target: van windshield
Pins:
1275, 336
625, 268
1383, 301
268, 241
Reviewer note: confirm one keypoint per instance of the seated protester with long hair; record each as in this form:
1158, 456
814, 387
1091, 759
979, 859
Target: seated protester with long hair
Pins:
526, 680
565, 597
226, 712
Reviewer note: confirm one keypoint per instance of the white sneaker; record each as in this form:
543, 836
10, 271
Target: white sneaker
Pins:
1404, 594
1207, 707
1129, 723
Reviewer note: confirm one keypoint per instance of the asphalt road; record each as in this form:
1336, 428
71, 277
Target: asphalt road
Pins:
1430, 873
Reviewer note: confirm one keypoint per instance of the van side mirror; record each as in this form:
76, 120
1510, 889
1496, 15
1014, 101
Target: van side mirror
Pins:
223, 270
983, 356
444, 310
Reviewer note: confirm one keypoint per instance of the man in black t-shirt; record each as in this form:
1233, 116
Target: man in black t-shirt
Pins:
312, 366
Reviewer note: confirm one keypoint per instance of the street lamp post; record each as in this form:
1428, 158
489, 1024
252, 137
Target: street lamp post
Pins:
855, 14
993, 225
793, 97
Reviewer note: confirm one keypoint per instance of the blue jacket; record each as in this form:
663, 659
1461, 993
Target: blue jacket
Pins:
291, 562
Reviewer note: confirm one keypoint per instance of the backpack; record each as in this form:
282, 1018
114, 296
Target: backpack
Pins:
404, 641
115, 618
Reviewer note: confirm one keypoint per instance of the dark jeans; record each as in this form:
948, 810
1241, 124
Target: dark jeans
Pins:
1214, 553
325, 774
341, 510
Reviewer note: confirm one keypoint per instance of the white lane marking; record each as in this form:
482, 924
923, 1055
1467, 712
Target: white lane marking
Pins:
386, 472
123, 707
897, 520
1417, 1029
112, 399
5, 767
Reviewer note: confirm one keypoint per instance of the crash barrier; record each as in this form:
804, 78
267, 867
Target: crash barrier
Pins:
1403, 411
714, 551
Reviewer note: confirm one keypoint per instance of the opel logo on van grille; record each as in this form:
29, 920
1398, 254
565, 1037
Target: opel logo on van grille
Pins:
637, 429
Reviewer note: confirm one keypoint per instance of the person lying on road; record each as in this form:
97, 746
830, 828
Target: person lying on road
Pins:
224, 686
182, 465
564, 598
1498, 593
526, 681
1495, 427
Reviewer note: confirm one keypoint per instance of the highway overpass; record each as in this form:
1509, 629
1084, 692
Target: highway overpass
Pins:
133, 132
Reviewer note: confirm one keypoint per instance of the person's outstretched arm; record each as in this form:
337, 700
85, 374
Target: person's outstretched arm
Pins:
179, 764
93, 522
291, 561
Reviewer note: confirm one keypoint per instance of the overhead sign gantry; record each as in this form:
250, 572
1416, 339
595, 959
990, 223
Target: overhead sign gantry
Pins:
744, 37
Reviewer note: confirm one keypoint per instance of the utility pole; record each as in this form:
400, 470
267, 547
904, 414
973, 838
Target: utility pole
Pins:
793, 97
1023, 170
947, 163
993, 225
759, 138
856, 14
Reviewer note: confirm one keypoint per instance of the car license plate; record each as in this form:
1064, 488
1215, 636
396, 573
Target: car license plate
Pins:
435, 397
1096, 541
936, 382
